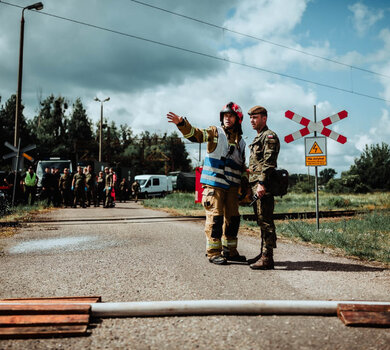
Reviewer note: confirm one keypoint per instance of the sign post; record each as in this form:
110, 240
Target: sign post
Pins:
315, 147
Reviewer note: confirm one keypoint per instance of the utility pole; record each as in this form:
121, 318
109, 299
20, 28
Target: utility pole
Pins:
37, 6
101, 126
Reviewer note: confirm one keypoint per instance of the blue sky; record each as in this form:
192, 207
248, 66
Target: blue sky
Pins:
145, 80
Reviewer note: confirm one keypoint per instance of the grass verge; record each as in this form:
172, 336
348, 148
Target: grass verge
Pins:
366, 236
20, 213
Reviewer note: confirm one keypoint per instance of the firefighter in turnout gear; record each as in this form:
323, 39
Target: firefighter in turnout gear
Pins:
263, 160
222, 174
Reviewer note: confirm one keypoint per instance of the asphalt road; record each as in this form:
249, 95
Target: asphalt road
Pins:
132, 254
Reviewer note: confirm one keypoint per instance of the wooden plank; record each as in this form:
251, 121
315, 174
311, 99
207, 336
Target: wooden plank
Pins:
43, 319
364, 315
40, 331
28, 309
84, 299
363, 307
365, 318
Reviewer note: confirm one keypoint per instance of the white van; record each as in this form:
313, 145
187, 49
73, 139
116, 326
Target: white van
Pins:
154, 185
59, 163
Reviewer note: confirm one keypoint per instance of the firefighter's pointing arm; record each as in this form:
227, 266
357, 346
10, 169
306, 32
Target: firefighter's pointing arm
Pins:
194, 134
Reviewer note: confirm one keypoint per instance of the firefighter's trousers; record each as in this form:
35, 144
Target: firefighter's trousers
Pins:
222, 220
264, 211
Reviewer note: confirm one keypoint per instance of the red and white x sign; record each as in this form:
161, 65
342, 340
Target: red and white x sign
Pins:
320, 126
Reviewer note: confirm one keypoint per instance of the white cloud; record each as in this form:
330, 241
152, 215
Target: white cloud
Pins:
378, 133
266, 17
364, 18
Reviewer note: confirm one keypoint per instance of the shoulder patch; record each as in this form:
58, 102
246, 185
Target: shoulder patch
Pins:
270, 136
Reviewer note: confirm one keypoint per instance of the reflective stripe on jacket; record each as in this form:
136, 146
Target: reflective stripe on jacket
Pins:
223, 168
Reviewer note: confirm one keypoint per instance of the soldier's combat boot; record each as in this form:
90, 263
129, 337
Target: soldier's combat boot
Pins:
266, 262
255, 259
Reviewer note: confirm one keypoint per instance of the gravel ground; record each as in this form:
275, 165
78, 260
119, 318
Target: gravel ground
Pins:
133, 254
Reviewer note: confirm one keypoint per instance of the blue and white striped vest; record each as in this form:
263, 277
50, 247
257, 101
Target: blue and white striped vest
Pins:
220, 168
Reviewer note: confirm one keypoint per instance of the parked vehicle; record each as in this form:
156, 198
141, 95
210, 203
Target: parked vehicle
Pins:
154, 185
61, 164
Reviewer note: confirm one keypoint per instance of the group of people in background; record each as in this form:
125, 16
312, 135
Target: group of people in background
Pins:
83, 188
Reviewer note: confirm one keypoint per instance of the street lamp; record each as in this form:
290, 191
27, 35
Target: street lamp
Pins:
37, 6
101, 126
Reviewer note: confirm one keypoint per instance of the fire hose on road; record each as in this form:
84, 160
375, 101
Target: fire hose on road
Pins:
225, 307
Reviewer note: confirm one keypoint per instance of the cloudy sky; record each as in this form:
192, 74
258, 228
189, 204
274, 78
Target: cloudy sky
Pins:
295, 54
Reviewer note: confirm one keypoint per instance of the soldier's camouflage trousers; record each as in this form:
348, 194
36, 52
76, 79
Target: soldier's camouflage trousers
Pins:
79, 196
264, 210
222, 220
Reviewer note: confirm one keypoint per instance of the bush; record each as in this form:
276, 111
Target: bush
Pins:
361, 188
339, 202
303, 187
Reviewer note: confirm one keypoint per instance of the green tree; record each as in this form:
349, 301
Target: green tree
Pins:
49, 127
176, 151
7, 128
80, 132
373, 167
326, 175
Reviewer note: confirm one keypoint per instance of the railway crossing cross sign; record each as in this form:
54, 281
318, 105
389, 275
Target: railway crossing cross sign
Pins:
17, 151
320, 126
315, 147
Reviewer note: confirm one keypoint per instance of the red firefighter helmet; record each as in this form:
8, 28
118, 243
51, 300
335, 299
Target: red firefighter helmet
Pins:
233, 108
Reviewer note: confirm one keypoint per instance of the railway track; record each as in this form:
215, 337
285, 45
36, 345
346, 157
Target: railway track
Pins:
245, 217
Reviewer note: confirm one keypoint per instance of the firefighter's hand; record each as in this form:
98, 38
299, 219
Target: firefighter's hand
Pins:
260, 191
174, 118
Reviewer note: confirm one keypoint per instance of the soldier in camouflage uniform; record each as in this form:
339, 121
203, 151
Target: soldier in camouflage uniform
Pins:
109, 186
78, 184
90, 179
65, 185
223, 169
263, 159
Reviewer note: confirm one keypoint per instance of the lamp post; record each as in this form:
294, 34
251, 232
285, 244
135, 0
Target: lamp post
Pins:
37, 6
101, 126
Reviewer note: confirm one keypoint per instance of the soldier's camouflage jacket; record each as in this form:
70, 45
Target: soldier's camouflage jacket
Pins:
79, 180
264, 154
65, 182
90, 179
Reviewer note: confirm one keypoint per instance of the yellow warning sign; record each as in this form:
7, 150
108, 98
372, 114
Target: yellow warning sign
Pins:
316, 149
315, 161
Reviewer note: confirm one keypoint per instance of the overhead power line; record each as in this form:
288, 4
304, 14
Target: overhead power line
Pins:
257, 38
201, 53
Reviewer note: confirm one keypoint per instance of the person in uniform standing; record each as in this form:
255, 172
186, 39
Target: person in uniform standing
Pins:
224, 167
78, 185
56, 187
30, 185
123, 190
101, 189
135, 190
91, 186
65, 186
47, 186
109, 184
264, 152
